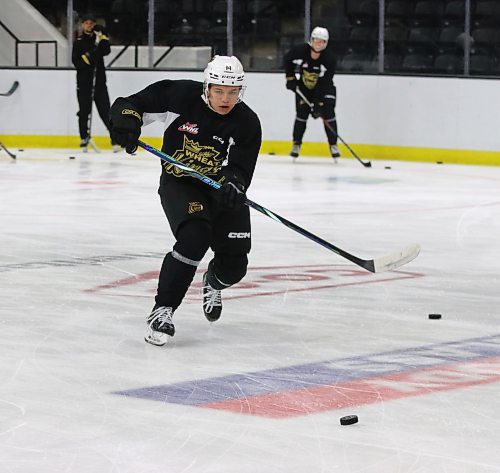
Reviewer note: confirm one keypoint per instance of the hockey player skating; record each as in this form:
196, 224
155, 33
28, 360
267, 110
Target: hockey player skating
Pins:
210, 129
87, 56
310, 68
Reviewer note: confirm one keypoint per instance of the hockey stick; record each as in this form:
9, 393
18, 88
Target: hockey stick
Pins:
89, 121
384, 263
366, 164
14, 87
12, 155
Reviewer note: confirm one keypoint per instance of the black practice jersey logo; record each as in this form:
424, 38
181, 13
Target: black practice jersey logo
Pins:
204, 159
310, 79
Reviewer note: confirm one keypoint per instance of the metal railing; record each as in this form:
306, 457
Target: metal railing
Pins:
18, 42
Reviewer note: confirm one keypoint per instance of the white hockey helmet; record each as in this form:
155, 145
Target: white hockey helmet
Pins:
320, 33
224, 70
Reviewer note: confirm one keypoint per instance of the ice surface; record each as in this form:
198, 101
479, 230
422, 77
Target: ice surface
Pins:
306, 338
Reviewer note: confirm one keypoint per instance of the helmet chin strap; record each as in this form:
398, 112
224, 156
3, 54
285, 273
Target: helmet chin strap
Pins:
205, 98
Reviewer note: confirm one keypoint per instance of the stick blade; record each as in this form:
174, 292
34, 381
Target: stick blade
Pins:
93, 146
14, 87
11, 90
396, 260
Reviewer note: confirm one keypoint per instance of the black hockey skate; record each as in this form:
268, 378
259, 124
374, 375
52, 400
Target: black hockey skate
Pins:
160, 325
212, 301
334, 151
294, 153
83, 144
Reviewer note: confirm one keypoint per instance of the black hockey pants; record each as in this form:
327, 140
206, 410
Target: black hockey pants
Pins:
303, 110
101, 99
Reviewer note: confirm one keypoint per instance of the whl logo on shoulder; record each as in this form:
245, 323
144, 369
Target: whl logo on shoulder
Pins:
189, 128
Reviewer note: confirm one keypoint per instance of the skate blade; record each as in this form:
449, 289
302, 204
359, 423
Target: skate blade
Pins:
156, 338
211, 318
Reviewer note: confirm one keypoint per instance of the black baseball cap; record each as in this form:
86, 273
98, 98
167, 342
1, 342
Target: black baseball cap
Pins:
88, 16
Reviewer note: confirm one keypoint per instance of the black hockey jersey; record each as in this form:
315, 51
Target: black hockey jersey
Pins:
315, 75
212, 144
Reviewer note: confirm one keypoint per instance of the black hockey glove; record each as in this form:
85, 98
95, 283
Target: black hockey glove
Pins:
291, 83
88, 59
231, 195
317, 109
125, 125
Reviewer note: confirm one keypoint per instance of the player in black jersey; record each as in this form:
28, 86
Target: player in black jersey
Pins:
310, 68
210, 129
87, 56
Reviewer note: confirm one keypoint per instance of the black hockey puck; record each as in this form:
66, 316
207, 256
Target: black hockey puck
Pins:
71, 157
348, 420
388, 167
434, 316
439, 162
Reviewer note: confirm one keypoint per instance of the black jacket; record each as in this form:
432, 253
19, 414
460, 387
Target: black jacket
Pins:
87, 57
215, 145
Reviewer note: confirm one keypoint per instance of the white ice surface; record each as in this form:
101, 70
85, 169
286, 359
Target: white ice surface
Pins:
71, 336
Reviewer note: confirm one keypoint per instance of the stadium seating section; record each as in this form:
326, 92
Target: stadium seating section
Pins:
420, 36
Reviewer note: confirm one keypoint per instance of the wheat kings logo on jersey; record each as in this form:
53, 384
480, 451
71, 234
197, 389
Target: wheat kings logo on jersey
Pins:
310, 79
204, 159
